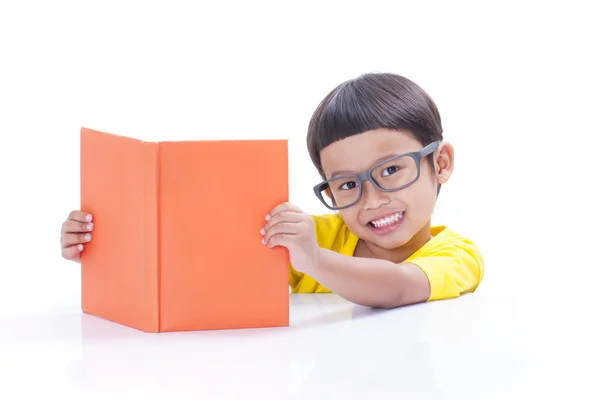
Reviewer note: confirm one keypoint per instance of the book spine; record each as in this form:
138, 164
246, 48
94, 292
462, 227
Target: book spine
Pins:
151, 232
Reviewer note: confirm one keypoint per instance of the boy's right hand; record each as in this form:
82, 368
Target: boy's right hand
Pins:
75, 231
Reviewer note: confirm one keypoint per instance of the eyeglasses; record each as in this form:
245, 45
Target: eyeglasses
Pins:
391, 175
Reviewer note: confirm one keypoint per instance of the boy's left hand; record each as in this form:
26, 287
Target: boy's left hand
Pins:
290, 227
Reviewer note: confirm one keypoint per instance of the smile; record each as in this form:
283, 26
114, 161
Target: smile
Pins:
387, 221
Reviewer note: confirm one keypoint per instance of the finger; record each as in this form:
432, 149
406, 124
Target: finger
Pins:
281, 239
73, 226
284, 216
291, 228
80, 216
72, 253
70, 239
283, 207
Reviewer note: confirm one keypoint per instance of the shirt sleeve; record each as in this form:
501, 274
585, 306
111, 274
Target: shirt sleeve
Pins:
452, 270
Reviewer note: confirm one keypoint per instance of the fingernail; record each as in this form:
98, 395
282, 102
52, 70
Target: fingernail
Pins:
90, 227
262, 231
87, 237
262, 241
79, 247
88, 217
268, 217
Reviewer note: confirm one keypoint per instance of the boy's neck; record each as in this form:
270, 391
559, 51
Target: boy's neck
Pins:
399, 254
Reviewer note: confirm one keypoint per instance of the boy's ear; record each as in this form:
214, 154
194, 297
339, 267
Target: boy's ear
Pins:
444, 162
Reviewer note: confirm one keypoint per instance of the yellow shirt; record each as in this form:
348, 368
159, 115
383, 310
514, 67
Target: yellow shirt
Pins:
452, 263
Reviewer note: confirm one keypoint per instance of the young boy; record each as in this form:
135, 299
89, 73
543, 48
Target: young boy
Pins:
377, 142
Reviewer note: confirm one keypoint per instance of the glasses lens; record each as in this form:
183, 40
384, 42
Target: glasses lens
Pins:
396, 173
341, 192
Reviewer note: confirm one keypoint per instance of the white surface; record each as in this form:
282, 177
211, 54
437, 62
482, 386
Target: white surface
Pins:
474, 347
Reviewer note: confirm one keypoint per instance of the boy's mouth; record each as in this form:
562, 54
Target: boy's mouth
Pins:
387, 220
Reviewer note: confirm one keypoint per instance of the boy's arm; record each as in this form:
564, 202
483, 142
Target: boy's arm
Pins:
370, 282
452, 270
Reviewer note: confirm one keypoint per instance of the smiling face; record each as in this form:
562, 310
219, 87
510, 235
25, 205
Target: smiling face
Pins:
386, 220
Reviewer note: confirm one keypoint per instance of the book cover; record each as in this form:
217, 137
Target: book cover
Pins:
176, 242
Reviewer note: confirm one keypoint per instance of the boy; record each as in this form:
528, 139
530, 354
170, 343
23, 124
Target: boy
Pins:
377, 142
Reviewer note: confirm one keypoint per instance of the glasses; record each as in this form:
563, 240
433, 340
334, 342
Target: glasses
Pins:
391, 175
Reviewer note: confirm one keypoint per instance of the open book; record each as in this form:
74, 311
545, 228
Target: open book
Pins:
176, 243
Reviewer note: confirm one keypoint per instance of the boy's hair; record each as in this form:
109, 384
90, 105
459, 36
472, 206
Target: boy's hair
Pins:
373, 101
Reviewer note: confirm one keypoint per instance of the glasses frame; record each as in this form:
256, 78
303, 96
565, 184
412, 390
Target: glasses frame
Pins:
417, 156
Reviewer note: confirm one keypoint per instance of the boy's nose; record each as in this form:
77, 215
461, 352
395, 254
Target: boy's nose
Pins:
372, 197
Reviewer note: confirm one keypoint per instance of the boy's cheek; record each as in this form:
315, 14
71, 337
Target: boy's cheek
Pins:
348, 216
351, 220
421, 194
421, 207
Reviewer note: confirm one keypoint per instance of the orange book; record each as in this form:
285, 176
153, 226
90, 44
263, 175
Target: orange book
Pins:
176, 241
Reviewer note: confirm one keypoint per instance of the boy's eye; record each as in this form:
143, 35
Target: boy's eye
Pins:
390, 170
348, 185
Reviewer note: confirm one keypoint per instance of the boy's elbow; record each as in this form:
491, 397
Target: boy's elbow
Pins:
410, 286
390, 304
399, 300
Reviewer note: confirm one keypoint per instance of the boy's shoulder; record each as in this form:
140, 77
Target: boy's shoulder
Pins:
442, 235
452, 262
446, 242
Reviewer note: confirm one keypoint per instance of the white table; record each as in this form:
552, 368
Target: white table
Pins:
474, 347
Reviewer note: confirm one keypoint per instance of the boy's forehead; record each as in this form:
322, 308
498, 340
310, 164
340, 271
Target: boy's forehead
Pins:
359, 152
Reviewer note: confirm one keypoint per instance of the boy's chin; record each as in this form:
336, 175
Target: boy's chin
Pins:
390, 244
389, 241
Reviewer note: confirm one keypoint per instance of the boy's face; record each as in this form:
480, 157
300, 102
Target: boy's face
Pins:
387, 219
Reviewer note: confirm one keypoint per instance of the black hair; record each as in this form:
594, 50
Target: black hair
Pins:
373, 101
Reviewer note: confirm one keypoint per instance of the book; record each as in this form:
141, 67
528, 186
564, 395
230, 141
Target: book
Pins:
176, 244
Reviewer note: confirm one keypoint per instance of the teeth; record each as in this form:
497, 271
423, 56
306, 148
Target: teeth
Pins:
380, 223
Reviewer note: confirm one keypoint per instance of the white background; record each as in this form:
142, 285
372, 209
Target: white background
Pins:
516, 84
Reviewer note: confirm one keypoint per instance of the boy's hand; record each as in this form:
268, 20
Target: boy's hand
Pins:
290, 227
75, 231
